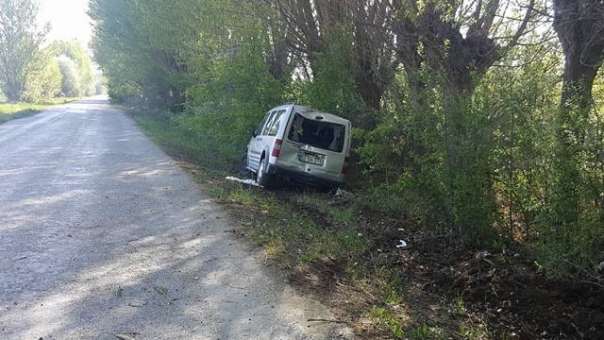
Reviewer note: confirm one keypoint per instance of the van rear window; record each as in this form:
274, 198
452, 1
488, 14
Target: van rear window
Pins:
319, 134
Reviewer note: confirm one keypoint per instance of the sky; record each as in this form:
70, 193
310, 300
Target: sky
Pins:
68, 19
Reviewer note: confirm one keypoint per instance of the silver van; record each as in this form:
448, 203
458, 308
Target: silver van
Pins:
302, 145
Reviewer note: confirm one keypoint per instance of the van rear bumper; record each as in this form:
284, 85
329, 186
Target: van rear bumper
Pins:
303, 178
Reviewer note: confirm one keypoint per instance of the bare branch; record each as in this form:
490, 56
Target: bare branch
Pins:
476, 14
522, 28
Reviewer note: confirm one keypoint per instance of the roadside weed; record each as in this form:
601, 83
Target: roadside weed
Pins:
424, 331
243, 195
472, 333
460, 306
14, 111
343, 215
388, 321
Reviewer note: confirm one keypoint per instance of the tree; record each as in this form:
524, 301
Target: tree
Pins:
70, 86
20, 40
44, 79
142, 46
461, 40
74, 51
309, 28
580, 28
576, 196
446, 48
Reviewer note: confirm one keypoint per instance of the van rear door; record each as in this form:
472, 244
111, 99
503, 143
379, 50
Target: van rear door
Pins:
317, 144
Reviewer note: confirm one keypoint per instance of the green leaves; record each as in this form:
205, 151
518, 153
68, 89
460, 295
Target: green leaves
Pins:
444, 133
44, 78
75, 65
20, 40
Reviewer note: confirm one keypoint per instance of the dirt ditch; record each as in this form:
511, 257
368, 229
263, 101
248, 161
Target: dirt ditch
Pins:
505, 292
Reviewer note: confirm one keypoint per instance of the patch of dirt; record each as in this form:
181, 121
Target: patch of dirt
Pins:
504, 291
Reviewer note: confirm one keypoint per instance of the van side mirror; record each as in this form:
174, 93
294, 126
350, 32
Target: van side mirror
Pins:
253, 131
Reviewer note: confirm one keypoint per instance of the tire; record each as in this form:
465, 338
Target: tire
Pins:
242, 166
263, 178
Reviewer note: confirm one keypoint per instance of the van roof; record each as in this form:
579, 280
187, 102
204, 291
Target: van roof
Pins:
310, 112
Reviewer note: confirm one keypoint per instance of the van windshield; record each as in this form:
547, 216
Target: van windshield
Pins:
319, 134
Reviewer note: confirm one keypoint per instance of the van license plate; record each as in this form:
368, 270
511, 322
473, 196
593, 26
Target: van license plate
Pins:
312, 159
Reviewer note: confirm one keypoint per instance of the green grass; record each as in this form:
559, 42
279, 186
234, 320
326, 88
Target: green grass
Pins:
21, 110
14, 111
345, 215
185, 144
290, 237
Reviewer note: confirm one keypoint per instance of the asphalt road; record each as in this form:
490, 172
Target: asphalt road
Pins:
103, 236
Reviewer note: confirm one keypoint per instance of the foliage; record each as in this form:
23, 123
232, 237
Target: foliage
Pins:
575, 213
71, 82
20, 39
75, 67
60, 69
30, 73
519, 103
13, 111
44, 79
140, 47
333, 88
456, 105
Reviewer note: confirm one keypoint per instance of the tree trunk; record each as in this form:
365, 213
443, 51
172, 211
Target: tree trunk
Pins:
579, 25
370, 90
580, 28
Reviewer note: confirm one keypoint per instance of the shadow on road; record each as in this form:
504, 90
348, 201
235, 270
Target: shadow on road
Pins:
101, 234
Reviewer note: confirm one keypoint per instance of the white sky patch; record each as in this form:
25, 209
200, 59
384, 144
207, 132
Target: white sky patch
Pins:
68, 19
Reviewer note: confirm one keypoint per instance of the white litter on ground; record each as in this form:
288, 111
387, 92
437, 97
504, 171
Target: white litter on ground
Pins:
402, 244
248, 181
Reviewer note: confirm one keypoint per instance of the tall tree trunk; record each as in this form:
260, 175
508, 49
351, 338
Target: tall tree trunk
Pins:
580, 28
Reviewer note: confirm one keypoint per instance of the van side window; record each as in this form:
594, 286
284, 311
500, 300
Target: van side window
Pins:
268, 121
272, 127
260, 126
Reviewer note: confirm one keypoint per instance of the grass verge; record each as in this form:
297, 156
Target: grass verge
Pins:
14, 111
22, 110
346, 256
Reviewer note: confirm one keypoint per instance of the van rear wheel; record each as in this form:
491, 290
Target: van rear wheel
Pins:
262, 177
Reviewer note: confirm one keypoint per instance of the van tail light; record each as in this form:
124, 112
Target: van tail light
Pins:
345, 166
277, 148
